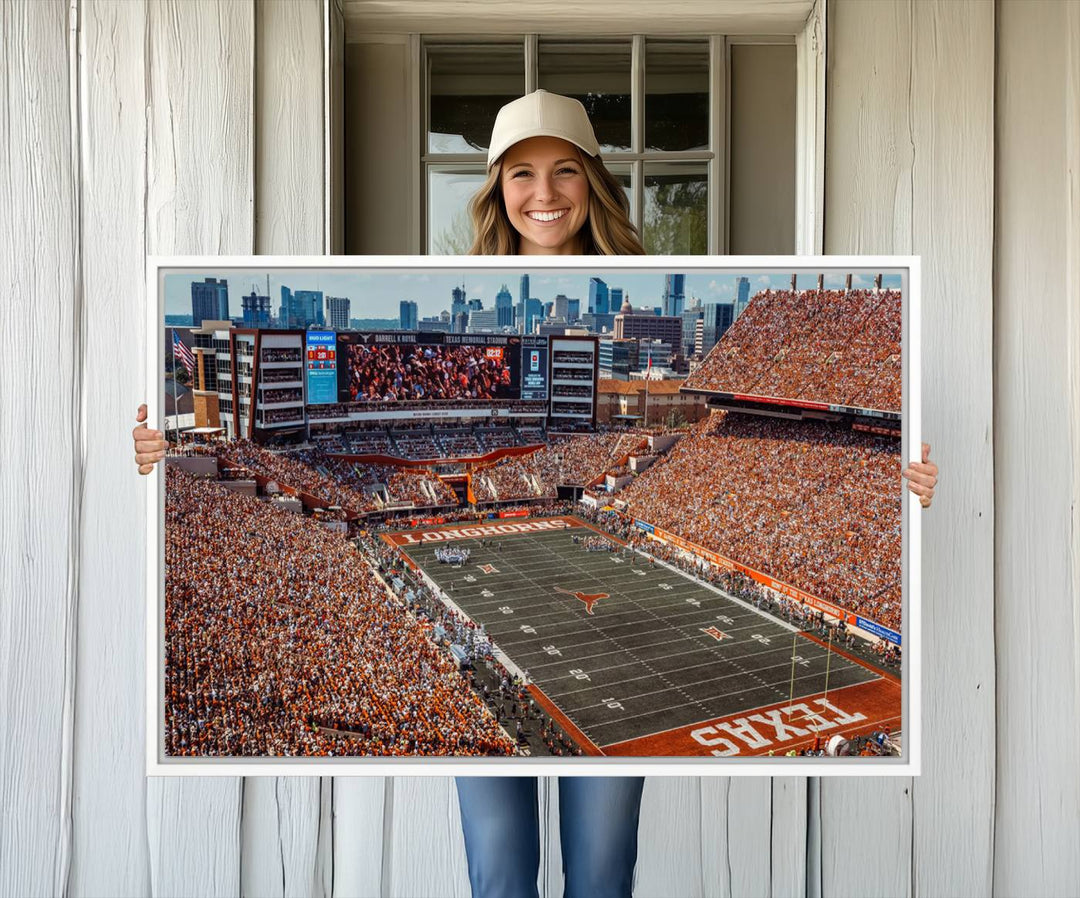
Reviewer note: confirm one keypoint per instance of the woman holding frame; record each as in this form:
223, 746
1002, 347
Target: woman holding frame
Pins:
548, 193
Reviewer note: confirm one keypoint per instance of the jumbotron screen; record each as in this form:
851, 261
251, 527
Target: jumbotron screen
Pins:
404, 367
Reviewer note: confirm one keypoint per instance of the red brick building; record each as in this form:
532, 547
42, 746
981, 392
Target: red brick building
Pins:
621, 401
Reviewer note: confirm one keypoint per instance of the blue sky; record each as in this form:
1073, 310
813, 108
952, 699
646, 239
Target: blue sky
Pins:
376, 294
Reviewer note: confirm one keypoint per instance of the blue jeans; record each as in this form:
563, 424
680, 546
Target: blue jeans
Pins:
598, 822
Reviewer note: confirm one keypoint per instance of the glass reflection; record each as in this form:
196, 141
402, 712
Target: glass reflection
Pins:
467, 85
676, 95
598, 75
676, 208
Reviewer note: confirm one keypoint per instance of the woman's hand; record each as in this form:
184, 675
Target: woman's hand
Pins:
150, 445
922, 477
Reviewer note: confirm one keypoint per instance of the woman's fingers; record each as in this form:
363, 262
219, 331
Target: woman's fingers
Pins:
920, 489
142, 432
920, 472
924, 479
150, 445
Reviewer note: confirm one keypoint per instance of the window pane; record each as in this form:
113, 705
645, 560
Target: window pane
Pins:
676, 95
762, 179
597, 74
623, 175
676, 208
449, 192
467, 84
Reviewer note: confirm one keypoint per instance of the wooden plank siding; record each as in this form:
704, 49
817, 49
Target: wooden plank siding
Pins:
176, 127
909, 169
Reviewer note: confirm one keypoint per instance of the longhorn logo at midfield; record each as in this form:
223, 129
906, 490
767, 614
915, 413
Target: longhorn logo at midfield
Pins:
589, 599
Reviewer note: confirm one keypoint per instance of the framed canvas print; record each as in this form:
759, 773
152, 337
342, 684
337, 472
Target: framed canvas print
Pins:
564, 515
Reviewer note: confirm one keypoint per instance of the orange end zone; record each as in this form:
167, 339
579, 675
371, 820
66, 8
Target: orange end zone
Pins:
583, 741
778, 727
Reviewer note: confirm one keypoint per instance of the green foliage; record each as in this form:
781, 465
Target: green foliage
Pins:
676, 218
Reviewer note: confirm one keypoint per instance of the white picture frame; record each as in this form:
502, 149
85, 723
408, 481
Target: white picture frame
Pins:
907, 267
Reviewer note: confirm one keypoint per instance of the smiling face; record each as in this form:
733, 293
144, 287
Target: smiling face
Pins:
546, 195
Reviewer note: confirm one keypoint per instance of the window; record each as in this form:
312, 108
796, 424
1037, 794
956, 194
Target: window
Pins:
652, 104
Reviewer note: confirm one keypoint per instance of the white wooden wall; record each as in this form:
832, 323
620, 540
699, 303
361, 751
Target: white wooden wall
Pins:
953, 132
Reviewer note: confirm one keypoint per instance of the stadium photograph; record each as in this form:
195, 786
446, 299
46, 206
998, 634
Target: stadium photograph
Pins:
605, 511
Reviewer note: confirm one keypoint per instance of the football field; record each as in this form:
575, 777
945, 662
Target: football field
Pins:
634, 657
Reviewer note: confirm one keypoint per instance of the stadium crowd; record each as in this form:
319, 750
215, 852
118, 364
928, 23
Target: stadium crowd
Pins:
807, 502
350, 485
270, 354
276, 630
565, 461
830, 346
389, 372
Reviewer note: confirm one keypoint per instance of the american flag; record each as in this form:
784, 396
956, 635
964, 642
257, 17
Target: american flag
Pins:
181, 352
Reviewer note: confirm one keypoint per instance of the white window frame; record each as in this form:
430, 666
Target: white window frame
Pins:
810, 126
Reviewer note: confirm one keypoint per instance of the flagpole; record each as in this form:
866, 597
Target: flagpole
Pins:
172, 350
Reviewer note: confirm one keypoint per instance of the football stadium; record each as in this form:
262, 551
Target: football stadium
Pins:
412, 543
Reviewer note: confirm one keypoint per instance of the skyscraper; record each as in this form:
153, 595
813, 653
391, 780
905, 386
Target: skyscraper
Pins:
634, 325
716, 319
407, 319
337, 309
690, 318
598, 296
674, 294
521, 309
615, 299
458, 306
566, 307
209, 301
256, 310
742, 295
301, 308
483, 321
283, 310
504, 306
534, 309
308, 306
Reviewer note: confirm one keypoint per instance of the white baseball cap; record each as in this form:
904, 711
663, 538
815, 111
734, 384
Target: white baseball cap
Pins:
541, 114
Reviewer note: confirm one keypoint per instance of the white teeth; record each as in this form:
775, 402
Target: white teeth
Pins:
546, 216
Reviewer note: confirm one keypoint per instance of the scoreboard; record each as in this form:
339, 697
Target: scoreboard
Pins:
320, 364
534, 369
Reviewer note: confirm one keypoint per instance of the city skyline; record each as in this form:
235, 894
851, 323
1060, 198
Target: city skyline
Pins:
378, 294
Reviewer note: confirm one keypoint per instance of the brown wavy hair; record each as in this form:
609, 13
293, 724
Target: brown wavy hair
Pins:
607, 231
